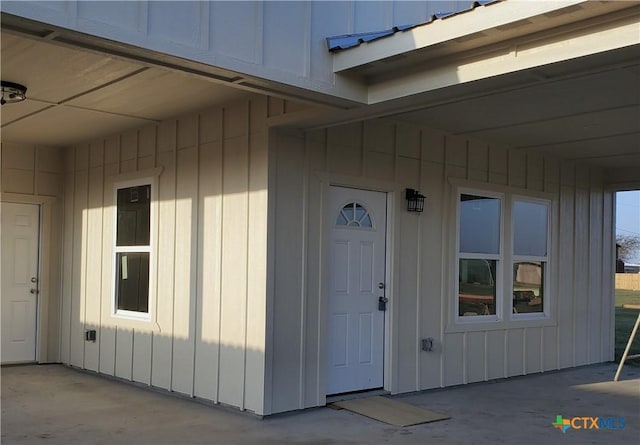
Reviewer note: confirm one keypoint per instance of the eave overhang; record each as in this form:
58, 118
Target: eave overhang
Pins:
487, 41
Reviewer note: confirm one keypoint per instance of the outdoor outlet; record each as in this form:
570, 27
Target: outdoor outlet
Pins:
90, 335
427, 344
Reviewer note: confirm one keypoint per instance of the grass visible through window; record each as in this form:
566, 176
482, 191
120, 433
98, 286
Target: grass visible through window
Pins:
625, 319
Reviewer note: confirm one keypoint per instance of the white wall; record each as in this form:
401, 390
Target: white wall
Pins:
282, 41
208, 337
33, 175
387, 155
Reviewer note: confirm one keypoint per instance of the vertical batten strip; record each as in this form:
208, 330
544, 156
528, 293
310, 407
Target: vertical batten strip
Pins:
205, 20
418, 272
608, 254
115, 349
119, 139
589, 278
363, 151
244, 318
308, 10
221, 254
102, 252
304, 210
137, 150
465, 360
505, 348
133, 353
74, 241
573, 274
151, 353
84, 257
175, 240
34, 169
71, 243
260, 37
219, 158
541, 352
524, 351
486, 355
196, 241
467, 150
394, 332
445, 289
156, 142
320, 394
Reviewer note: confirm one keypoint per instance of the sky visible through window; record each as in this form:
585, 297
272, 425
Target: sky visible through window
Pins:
628, 216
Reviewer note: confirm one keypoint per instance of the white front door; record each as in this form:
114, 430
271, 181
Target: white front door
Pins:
357, 281
20, 234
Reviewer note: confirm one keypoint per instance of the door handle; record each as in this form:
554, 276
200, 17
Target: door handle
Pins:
33, 291
382, 303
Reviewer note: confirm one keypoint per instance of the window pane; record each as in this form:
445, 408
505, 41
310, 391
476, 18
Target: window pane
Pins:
530, 221
477, 287
354, 215
479, 224
132, 287
528, 289
134, 216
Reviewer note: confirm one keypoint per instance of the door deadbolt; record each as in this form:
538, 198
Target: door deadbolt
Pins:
34, 280
380, 285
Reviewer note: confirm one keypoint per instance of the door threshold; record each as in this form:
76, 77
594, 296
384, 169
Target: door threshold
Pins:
357, 395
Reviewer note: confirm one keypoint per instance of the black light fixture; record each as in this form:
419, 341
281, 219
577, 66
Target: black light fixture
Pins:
415, 200
12, 92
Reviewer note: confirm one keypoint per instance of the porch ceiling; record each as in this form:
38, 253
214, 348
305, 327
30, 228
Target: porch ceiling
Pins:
75, 95
586, 110
561, 78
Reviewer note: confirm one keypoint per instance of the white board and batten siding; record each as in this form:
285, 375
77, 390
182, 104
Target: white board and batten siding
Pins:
207, 337
390, 156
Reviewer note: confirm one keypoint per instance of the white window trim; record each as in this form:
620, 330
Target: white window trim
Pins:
546, 284
458, 319
151, 248
504, 318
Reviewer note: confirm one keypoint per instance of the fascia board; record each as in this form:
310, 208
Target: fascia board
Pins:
516, 57
440, 31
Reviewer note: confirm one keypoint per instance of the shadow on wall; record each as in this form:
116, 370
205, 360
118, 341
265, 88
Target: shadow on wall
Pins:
190, 366
208, 292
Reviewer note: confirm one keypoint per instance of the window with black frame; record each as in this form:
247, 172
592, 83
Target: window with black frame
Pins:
133, 249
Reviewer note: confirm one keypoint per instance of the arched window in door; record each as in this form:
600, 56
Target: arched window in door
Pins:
354, 215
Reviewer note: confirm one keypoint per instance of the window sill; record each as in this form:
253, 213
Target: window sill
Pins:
499, 325
139, 323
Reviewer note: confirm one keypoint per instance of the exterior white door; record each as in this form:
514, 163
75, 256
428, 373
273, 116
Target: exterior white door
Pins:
357, 281
20, 237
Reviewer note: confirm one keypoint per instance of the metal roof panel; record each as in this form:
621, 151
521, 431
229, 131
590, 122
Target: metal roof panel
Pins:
347, 41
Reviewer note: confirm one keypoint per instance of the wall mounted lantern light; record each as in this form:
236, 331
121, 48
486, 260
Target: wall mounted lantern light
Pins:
12, 92
415, 200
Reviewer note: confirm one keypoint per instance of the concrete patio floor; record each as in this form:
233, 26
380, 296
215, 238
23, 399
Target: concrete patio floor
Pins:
52, 404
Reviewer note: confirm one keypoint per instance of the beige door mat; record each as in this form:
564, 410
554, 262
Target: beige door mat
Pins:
390, 411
